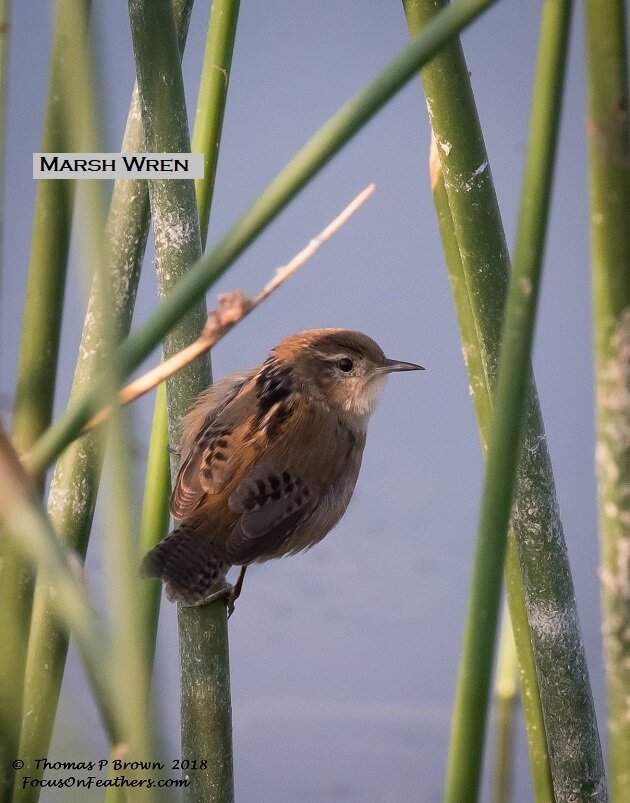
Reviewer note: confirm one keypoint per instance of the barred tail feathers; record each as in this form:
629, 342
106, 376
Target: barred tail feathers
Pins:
186, 561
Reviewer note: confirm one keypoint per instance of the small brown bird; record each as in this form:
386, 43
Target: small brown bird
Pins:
269, 460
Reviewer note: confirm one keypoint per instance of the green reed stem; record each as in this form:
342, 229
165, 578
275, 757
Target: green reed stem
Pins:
609, 167
155, 517
215, 76
205, 685
155, 509
482, 399
539, 763
206, 138
50, 241
464, 766
556, 640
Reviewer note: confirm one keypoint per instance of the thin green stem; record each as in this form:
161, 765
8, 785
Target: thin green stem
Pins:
50, 241
609, 168
155, 516
313, 156
215, 76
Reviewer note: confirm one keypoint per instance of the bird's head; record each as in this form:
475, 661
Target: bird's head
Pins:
343, 368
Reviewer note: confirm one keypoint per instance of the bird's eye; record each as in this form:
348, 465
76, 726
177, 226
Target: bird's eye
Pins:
345, 364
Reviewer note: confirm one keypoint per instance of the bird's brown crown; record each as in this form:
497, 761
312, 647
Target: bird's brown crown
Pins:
343, 368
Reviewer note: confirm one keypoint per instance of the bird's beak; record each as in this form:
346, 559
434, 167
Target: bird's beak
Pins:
397, 365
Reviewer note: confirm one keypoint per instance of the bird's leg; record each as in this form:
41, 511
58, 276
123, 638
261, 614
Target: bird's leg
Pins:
235, 591
230, 593
238, 585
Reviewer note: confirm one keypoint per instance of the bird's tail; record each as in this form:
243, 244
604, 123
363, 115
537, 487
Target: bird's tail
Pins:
187, 563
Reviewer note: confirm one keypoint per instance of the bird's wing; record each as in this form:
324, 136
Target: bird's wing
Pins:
273, 502
212, 437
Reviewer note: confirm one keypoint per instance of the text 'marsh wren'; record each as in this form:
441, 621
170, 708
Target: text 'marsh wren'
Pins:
270, 458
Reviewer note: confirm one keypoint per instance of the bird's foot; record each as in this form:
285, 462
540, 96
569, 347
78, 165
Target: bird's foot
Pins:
226, 593
230, 593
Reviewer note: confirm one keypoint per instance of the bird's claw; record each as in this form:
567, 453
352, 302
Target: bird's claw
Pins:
230, 593
226, 593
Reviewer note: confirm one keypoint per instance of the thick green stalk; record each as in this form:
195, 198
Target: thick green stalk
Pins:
577, 768
155, 508
609, 152
539, 763
76, 478
37, 371
215, 75
471, 343
512, 384
556, 640
206, 138
482, 399
205, 685
313, 156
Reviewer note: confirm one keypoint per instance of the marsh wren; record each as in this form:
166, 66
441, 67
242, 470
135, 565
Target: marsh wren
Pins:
269, 459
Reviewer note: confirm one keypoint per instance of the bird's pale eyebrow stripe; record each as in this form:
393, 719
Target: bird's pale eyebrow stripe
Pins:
334, 357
